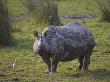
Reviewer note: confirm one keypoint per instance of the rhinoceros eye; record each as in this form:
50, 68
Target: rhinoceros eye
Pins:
40, 37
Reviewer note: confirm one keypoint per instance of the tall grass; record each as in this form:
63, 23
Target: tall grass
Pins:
45, 11
105, 9
5, 26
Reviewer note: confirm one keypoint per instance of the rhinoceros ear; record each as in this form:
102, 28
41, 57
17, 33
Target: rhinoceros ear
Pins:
35, 33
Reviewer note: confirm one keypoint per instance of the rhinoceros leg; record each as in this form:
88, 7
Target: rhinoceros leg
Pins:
80, 59
48, 62
54, 64
86, 62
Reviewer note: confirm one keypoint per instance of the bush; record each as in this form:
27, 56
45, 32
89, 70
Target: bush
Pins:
5, 33
104, 6
44, 11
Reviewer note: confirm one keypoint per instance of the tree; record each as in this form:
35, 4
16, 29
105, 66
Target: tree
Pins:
5, 26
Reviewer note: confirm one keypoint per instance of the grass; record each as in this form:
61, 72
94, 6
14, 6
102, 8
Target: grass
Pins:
30, 67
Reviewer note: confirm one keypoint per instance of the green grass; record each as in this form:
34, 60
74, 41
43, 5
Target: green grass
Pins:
30, 67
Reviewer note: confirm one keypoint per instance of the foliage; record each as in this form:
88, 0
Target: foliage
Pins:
5, 26
44, 10
105, 9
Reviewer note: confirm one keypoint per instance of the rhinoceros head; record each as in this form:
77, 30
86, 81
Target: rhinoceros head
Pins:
37, 42
40, 46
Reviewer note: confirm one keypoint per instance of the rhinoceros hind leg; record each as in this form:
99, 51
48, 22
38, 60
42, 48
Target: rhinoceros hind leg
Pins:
86, 63
80, 59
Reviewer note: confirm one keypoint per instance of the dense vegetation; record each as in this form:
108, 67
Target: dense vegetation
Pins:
5, 25
105, 9
30, 67
45, 11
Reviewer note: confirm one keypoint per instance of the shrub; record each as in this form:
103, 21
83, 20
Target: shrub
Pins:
5, 26
104, 6
44, 11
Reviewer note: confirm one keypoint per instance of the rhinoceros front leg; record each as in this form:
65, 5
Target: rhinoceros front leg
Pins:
48, 62
54, 64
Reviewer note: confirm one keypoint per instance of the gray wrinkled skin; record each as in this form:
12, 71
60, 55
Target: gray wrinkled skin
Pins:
65, 43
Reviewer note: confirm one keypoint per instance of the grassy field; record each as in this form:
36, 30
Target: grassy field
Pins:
30, 67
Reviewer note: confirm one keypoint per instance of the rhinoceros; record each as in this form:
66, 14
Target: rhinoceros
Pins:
65, 43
